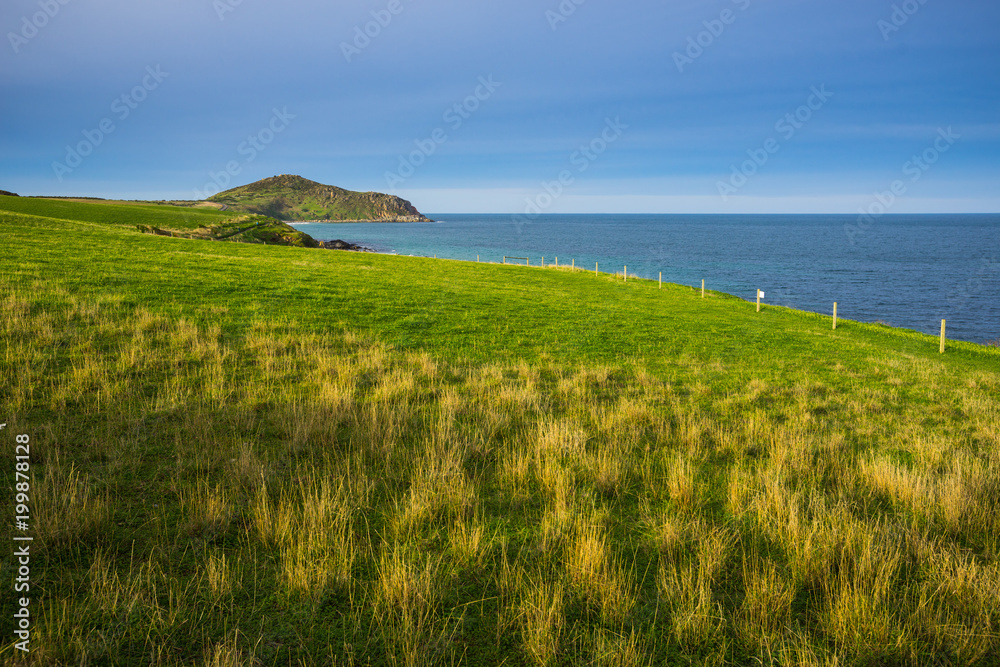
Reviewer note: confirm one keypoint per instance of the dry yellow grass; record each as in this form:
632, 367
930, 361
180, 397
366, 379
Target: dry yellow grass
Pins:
542, 620
767, 601
597, 574
612, 649
592, 515
407, 595
66, 508
207, 508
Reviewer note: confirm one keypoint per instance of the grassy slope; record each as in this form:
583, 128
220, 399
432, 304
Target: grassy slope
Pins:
499, 462
115, 213
183, 222
242, 229
309, 208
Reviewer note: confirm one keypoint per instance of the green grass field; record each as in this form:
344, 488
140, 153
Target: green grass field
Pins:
127, 214
261, 455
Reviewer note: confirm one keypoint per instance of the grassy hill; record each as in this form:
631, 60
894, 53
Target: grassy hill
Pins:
296, 198
270, 455
129, 214
242, 229
166, 220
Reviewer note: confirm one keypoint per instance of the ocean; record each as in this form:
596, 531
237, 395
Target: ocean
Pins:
908, 271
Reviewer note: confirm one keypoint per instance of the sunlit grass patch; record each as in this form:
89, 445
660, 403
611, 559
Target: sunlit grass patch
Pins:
65, 505
542, 620
407, 596
767, 602
208, 509
439, 490
861, 611
312, 529
598, 574
613, 649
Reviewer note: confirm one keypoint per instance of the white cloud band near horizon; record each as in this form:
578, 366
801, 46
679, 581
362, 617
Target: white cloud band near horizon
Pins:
514, 201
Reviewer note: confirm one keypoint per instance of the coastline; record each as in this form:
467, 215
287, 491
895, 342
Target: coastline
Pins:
337, 222
338, 244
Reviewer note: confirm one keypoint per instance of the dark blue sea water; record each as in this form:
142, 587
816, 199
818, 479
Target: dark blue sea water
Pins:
908, 271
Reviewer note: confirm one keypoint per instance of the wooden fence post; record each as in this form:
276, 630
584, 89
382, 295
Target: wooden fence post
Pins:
505, 259
661, 279
835, 315
758, 300
595, 268
942, 336
626, 273
702, 288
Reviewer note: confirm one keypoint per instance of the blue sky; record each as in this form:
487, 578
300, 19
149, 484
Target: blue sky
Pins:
635, 106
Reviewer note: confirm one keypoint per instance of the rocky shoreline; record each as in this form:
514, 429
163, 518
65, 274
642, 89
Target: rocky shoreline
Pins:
397, 218
343, 245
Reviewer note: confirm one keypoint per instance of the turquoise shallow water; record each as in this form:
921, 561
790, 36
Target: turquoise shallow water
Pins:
907, 270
